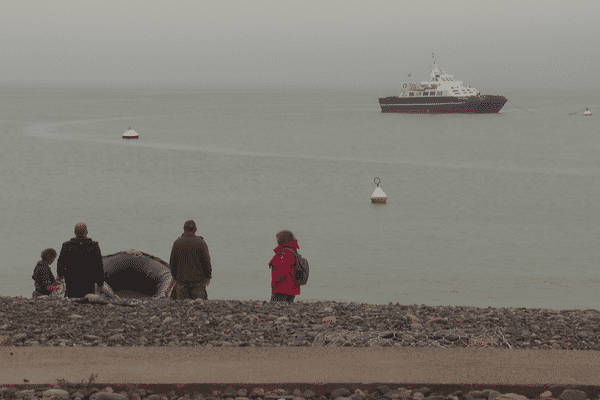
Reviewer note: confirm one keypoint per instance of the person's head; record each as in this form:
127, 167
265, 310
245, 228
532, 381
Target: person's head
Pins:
189, 226
81, 230
48, 256
284, 236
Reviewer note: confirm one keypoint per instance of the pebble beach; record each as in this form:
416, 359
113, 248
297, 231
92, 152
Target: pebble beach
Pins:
91, 322
220, 323
332, 392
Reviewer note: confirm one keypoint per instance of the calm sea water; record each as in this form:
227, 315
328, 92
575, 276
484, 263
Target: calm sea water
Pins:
487, 210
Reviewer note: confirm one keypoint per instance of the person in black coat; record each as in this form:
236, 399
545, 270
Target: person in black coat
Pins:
80, 264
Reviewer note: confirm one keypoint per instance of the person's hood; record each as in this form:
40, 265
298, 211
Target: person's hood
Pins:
291, 243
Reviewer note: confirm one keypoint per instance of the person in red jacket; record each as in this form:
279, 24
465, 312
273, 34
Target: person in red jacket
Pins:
283, 286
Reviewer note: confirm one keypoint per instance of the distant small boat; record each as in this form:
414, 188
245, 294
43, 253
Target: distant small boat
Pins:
131, 134
587, 112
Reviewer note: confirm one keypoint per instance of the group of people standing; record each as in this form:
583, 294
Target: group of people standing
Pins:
81, 270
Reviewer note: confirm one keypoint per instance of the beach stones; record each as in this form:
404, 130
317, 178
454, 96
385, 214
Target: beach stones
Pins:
218, 323
23, 394
19, 337
393, 395
107, 396
571, 394
341, 392
56, 394
510, 396
382, 390
116, 338
359, 395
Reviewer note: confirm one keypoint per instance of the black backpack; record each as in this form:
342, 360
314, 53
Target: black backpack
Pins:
301, 268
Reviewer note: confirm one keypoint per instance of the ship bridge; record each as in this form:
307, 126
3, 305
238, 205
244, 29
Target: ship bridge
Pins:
442, 81
440, 84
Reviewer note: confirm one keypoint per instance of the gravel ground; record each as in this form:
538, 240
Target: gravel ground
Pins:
165, 322
341, 392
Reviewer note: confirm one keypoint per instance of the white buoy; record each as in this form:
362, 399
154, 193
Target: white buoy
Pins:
587, 112
378, 195
130, 134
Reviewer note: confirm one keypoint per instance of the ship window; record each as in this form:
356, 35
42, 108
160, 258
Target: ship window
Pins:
426, 94
419, 94
439, 93
432, 94
411, 93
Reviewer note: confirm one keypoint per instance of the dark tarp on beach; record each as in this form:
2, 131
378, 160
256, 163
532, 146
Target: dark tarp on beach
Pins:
134, 273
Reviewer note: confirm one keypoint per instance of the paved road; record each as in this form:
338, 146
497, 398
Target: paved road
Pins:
44, 365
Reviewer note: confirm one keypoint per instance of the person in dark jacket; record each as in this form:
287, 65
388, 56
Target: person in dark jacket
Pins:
80, 264
283, 286
43, 277
190, 264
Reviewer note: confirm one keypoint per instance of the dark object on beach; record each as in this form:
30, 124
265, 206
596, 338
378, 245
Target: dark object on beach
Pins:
136, 274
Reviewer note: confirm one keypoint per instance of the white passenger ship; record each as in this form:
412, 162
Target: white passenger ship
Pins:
442, 94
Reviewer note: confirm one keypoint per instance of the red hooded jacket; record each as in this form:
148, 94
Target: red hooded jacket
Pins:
282, 269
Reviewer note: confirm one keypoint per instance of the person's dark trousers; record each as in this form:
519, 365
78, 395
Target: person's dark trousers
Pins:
192, 290
282, 297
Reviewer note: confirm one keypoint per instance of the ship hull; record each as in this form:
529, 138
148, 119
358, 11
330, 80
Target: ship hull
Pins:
485, 104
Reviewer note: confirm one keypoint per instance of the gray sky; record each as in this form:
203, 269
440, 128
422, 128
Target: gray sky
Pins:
344, 43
